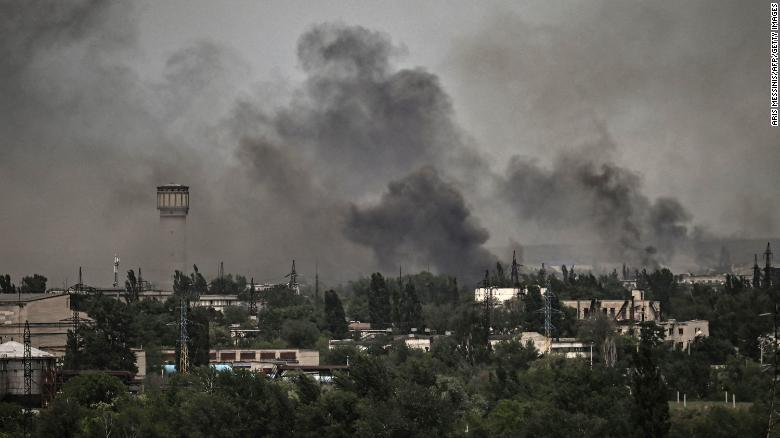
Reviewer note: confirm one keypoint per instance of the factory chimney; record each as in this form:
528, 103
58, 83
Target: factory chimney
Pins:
173, 202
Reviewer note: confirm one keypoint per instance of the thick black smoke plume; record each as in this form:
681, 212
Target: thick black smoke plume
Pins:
357, 124
586, 193
360, 121
422, 219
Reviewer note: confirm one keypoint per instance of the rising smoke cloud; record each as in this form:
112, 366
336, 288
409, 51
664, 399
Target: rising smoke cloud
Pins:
422, 219
320, 172
358, 124
587, 194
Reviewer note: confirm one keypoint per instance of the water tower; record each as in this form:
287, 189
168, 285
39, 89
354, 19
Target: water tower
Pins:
173, 202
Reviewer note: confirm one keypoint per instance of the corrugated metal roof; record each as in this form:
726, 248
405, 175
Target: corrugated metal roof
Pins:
13, 349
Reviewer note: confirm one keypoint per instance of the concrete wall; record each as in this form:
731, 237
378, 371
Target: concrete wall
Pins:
173, 248
49, 317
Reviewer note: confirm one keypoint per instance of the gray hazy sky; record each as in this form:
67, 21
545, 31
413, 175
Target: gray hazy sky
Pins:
105, 102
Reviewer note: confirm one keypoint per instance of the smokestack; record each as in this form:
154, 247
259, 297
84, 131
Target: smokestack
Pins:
173, 202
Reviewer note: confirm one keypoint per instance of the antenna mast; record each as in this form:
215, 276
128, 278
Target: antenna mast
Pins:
116, 270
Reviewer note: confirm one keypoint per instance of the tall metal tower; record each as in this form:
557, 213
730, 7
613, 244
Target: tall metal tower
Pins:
27, 364
116, 270
756, 272
515, 275
293, 284
27, 361
173, 203
548, 311
768, 266
184, 358
488, 305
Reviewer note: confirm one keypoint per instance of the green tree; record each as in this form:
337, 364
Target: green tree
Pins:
300, 334
228, 285
132, 287
33, 285
379, 308
411, 309
105, 341
335, 320
91, 388
198, 331
189, 287
6, 286
650, 411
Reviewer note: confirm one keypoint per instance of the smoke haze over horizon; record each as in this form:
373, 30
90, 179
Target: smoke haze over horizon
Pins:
532, 125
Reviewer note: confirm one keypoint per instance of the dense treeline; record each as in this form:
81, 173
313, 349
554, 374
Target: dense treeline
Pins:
461, 387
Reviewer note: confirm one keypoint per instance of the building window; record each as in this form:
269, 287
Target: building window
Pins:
680, 331
247, 355
228, 356
267, 355
612, 312
287, 355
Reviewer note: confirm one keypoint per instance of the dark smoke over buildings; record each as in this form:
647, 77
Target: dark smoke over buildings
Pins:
587, 194
326, 169
358, 124
421, 220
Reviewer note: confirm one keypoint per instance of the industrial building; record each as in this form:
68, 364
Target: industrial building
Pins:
499, 295
569, 348
636, 308
262, 360
49, 315
708, 280
12, 376
681, 334
173, 203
